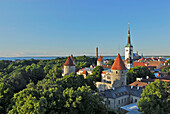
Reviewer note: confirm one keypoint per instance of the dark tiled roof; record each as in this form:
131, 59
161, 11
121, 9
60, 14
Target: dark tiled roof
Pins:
121, 91
118, 64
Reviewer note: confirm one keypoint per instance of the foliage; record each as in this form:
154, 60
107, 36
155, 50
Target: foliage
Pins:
138, 72
166, 69
37, 86
84, 61
155, 98
65, 95
97, 71
111, 61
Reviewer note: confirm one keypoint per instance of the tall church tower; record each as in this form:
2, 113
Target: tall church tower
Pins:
118, 73
129, 52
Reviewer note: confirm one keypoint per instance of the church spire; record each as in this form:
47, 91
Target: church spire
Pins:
128, 43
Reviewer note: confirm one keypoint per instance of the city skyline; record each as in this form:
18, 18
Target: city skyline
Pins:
61, 28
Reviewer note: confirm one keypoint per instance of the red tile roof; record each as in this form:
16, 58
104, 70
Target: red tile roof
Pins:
69, 62
84, 72
104, 72
100, 58
138, 84
138, 64
154, 63
72, 57
118, 64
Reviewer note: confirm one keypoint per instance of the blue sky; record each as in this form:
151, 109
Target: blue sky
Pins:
64, 27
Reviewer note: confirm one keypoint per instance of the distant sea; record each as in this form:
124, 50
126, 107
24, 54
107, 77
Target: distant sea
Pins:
46, 58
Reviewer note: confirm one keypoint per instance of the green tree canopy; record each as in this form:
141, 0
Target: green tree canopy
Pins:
111, 61
155, 98
97, 71
138, 72
66, 95
166, 69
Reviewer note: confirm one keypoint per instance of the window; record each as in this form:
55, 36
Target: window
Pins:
122, 72
131, 100
116, 72
136, 100
122, 100
119, 101
108, 102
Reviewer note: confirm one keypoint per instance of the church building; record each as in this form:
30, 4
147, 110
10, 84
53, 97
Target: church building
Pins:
129, 52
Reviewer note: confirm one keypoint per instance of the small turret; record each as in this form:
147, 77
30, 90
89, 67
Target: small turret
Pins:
72, 58
100, 61
68, 66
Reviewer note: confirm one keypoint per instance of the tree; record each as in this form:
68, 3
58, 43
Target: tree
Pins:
28, 101
35, 72
111, 61
166, 69
97, 71
155, 98
138, 72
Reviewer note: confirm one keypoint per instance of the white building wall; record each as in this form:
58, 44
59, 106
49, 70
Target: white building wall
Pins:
69, 69
127, 50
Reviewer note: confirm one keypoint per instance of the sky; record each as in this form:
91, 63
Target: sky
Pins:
64, 27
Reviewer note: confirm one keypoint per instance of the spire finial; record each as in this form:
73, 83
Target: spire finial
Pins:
128, 34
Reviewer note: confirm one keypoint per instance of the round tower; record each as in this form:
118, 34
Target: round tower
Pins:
68, 66
118, 72
100, 61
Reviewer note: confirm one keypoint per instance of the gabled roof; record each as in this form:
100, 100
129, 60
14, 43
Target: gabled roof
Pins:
69, 62
138, 84
118, 64
155, 63
100, 58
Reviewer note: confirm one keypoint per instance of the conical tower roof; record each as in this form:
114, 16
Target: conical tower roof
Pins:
129, 41
72, 58
100, 58
118, 64
69, 62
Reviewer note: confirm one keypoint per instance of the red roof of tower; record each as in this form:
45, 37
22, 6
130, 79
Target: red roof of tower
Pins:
118, 64
72, 57
69, 62
100, 58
